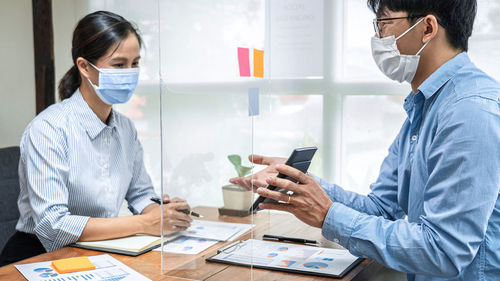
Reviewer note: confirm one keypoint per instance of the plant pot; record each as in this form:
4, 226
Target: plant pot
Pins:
236, 197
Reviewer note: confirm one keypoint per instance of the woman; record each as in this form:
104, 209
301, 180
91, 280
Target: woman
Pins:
80, 158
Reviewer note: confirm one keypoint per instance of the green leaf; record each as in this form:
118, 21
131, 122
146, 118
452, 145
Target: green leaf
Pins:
236, 161
243, 171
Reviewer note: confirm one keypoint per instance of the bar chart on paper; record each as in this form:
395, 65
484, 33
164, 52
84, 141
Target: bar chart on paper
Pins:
107, 269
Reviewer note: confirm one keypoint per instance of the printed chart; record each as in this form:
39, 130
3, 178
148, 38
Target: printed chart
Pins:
214, 230
288, 257
187, 245
107, 269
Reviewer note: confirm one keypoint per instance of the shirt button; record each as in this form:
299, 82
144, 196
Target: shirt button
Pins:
414, 137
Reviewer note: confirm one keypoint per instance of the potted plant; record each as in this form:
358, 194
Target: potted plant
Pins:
236, 197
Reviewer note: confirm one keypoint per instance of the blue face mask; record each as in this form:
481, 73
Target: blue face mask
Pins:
116, 85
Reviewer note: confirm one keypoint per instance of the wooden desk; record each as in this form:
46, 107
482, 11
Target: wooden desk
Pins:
195, 267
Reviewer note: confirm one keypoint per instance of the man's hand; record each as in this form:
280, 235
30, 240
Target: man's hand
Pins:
309, 202
259, 179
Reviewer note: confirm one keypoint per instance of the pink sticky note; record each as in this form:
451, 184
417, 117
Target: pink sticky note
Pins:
244, 62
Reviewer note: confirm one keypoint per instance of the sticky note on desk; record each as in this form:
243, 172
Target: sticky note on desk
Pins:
72, 265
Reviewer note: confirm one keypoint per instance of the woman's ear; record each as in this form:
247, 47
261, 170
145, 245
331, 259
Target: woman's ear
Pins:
83, 67
430, 28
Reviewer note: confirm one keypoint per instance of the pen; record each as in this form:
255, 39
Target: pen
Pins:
288, 239
187, 212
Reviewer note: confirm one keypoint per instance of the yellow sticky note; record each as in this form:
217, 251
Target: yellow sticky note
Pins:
72, 265
258, 63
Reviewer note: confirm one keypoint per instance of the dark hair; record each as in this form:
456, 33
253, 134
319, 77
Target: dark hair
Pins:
456, 16
93, 36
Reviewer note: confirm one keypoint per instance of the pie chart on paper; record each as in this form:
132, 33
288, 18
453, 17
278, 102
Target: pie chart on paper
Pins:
286, 263
315, 265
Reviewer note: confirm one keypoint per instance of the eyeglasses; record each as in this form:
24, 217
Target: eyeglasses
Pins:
377, 23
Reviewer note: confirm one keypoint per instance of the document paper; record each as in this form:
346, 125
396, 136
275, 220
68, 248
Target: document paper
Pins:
221, 231
187, 245
292, 257
107, 268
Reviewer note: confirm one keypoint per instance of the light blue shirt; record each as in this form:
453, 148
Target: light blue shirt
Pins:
443, 173
74, 167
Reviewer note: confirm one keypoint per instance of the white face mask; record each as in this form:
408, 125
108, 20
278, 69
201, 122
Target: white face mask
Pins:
391, 62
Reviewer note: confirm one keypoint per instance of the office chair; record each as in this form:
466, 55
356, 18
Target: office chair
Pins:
9, 191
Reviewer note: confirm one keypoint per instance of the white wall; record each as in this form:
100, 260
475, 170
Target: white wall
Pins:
17, 76
65, 16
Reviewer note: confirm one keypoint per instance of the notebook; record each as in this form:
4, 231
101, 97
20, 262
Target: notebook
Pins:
131, 245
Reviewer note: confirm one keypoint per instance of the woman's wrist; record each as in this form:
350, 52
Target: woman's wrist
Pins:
141, 222
148, 208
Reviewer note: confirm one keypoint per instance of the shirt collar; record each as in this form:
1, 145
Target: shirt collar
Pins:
411, 100
436, 80
443, 74
87, 118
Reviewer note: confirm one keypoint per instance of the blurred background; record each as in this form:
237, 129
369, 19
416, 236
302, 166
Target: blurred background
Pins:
320, 87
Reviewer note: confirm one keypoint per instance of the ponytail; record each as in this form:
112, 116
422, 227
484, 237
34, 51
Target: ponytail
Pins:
69, 83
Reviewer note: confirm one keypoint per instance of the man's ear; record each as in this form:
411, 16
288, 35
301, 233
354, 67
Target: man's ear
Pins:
83, 66
430, 26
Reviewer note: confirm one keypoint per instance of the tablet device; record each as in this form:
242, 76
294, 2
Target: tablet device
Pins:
300, 160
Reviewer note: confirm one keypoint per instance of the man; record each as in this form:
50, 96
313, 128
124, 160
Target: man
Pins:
443, 169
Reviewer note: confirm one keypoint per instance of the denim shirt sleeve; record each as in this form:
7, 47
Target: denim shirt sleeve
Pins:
141, 188
382, 200
460, 194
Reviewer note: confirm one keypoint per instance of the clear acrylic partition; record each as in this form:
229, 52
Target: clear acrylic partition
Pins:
205, 108
205, 118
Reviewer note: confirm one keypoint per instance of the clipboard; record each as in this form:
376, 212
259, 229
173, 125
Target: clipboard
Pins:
287, 257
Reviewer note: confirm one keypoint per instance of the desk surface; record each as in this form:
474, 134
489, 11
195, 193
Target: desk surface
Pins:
195, 267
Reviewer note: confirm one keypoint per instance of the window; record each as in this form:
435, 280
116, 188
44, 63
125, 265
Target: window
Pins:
321, 87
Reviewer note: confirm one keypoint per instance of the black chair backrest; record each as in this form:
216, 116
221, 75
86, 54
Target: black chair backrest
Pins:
9, 191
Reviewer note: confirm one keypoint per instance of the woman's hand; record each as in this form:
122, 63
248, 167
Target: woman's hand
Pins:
259, 179
173, 220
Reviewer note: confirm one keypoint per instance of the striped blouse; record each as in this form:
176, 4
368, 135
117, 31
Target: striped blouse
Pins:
74, 167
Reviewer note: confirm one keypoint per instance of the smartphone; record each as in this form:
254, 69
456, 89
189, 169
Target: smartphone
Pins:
300, 160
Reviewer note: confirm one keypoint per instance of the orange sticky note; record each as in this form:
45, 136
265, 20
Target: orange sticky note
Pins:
72, 265
258, 63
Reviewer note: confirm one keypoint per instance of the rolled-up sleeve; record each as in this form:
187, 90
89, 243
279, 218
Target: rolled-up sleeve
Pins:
43, 157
